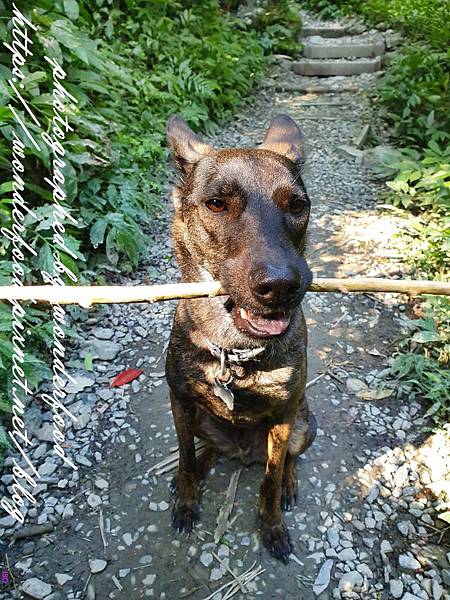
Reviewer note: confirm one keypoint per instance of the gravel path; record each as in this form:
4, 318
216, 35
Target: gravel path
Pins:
365, 526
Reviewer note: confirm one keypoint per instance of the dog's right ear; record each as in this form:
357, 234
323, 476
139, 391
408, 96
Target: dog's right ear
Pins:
187, 148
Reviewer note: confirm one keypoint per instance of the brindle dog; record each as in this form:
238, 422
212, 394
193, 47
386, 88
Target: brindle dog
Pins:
236, 366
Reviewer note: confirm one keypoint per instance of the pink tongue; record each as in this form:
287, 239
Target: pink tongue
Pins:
274, 326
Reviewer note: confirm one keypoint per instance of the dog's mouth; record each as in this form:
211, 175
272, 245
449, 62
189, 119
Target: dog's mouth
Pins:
255, 325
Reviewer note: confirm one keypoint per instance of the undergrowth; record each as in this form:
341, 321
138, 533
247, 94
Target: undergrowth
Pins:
413, 98
130, 64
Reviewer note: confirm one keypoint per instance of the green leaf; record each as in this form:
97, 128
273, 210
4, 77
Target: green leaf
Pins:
97, 232
71, 9
45, 259
423, 337
6, 187
88, 362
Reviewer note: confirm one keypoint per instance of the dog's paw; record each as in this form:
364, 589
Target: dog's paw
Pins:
289, 495
277, 540
185, 516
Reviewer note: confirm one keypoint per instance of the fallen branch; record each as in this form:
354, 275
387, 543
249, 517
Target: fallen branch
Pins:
88, 295
33, 530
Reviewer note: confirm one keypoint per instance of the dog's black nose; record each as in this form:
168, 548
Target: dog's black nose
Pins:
275, 285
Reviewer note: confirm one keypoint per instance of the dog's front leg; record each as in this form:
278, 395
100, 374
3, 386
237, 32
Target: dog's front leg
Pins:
274, 532
186, 509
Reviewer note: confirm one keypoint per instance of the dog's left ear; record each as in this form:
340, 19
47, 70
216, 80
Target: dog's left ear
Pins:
284, 137
187, 148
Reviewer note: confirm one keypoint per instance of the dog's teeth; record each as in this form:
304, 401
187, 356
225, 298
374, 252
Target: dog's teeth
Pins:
244, 313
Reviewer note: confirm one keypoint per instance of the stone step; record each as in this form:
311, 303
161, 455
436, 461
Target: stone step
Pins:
364, 47
330, 68
333, 31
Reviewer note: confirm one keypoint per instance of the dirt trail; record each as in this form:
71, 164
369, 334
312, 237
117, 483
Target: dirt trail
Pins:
354, 518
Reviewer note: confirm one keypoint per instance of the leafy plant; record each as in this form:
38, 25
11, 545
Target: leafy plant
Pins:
422, 366
130, 64
413, 98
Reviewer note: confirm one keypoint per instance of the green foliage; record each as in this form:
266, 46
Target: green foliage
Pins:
130, 64
419, 19
422, 186
415, 94
280, 23
422, 366
414, 99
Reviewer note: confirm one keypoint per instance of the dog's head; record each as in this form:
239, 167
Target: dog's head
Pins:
240, 218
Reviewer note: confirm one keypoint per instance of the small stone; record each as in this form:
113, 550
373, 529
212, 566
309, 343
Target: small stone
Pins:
163, 505
36, 588
323, 577
206, 559
364, 570
45, 433
47, 469
333, 537
373, 494
396, 587
103, 350
124, 572
97, 565
445, 574
68, 511
101, 484
103, 333
62, 578
403, 527
7, 522
347, 554
94, 501
437, 590
385, 547
127, 538
149, 580
408, 562
350, 580
216, 574
81, 382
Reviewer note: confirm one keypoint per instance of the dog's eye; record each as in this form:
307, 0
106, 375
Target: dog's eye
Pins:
296, 205
216, 205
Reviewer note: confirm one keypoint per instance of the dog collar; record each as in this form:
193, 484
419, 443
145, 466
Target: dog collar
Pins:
235, 355
224, 376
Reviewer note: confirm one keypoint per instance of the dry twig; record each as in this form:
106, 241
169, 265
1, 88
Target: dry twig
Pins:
227, 506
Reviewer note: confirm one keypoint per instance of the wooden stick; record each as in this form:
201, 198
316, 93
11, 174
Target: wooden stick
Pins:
104, 294
227, 507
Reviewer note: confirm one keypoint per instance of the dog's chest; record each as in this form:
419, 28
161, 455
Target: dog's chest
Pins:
255, 395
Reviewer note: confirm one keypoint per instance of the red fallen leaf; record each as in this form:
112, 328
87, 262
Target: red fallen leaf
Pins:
126, 377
